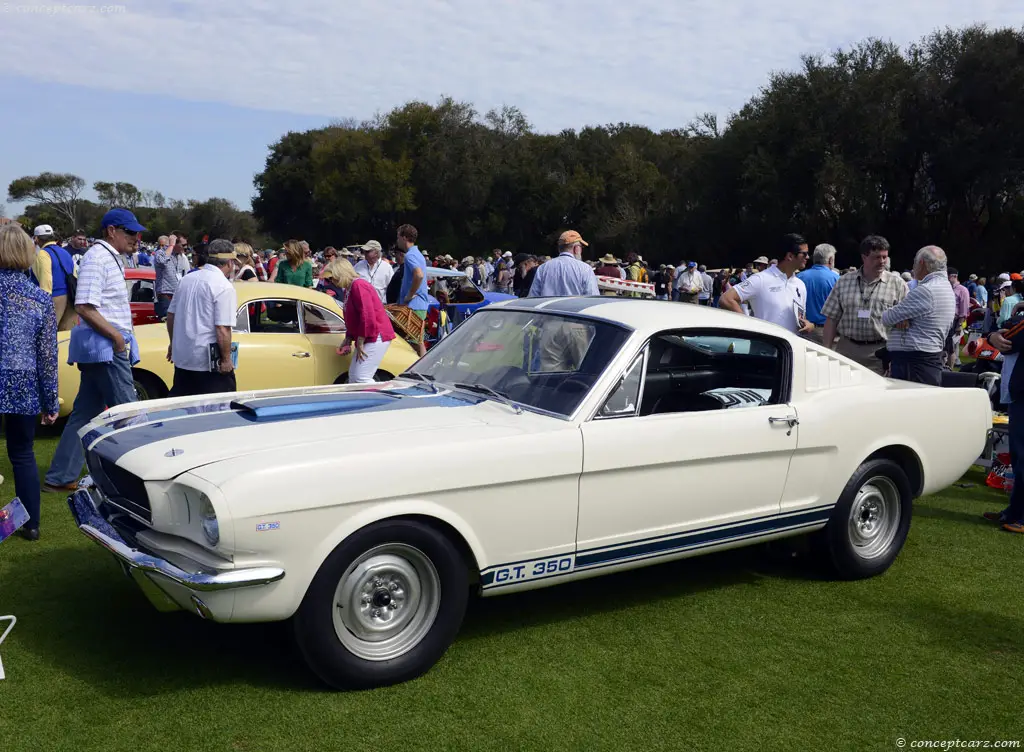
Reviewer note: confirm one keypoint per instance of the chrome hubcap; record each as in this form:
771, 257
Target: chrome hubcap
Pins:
874, 517
386, 602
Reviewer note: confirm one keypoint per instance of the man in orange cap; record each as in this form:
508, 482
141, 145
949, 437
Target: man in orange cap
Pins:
566, 274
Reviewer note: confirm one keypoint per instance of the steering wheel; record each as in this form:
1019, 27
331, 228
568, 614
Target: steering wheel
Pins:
506, 378
575, 384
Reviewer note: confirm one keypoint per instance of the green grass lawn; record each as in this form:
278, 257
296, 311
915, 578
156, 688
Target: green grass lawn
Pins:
735, 651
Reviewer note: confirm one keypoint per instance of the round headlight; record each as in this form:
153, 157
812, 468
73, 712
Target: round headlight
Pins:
208, 518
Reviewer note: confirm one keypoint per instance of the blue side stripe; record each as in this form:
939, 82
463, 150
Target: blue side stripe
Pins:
653, 548
688, 540
774, 516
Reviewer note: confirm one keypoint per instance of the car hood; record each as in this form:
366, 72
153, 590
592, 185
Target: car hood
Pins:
161, 439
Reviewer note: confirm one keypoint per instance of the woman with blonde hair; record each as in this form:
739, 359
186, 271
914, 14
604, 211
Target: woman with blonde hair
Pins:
248, 265
295, 268
368, 327
28, 365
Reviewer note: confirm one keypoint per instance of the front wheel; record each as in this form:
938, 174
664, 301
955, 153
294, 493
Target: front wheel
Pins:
384, 606
869, 525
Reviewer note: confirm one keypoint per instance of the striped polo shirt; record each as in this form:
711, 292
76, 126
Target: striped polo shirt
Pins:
930, 308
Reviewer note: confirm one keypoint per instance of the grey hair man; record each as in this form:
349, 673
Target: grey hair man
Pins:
824, 255
919, 324
199, 323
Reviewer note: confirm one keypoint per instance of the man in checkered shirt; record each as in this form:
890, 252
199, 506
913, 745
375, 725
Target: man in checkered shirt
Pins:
854, 308
103, 343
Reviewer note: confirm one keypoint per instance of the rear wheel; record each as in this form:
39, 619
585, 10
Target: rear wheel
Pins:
148, 386
384, 606
869, 525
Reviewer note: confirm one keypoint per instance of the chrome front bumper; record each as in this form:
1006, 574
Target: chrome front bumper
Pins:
151, 572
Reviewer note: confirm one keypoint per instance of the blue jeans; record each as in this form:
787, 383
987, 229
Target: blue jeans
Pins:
1015, 410
19, 431
103, 385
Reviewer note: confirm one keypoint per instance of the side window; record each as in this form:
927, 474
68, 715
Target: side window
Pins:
242, 319
695, 372
625, 398
140, 290
319, 320
273, 317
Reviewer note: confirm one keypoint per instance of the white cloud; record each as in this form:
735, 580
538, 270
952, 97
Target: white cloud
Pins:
566, 63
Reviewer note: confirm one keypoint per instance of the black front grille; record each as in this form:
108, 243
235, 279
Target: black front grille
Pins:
121, 488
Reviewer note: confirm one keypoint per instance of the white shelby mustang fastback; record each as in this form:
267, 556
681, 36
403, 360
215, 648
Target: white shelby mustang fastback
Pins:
589, 435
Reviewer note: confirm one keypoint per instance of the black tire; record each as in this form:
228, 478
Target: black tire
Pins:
379, 551
148, 386
855, 551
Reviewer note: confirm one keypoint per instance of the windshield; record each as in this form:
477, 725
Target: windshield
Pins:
540, 360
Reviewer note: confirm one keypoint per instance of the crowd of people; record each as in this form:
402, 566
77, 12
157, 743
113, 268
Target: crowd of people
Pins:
907, 325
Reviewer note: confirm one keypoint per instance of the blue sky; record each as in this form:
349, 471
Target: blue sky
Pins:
184, 96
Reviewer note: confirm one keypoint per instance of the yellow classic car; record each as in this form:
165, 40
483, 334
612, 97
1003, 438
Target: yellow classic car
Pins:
287, 336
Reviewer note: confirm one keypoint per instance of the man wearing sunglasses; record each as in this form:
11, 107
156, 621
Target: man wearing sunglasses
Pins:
776, 294
102, 345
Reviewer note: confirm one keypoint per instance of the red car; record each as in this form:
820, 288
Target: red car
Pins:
141, 294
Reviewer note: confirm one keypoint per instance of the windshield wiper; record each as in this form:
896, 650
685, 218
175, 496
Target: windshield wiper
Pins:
422, 377
481, 389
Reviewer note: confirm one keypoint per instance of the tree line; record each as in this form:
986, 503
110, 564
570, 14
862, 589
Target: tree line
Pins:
56, 199
922, 145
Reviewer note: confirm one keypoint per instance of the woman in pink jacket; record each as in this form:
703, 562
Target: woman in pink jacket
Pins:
368, 327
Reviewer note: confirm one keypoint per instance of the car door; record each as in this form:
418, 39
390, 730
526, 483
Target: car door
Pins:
690, 450
272, 350
325, 331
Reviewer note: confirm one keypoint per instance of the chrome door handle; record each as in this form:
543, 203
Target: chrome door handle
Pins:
300, 355
789, 420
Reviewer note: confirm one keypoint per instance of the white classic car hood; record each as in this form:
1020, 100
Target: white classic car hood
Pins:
160, 440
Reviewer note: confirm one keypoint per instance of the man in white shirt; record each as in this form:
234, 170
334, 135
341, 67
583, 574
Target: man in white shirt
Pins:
690, 284
374, 269
778, 295
199, 323
102, 345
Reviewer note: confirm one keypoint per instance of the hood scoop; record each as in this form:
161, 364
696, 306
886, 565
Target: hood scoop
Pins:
311, 406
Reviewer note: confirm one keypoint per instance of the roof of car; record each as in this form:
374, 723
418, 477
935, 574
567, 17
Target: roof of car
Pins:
642, 314
435, 271
247, 291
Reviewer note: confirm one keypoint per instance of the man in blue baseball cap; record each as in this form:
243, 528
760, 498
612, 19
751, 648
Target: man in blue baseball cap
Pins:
103, 344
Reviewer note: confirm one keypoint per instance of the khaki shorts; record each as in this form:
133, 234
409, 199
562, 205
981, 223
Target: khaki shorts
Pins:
563, 346
863, 354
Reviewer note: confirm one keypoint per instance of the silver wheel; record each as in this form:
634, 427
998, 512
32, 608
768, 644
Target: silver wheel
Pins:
874, 517
386, 602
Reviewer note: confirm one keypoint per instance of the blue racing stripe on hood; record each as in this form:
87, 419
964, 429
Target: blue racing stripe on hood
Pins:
142, 415
113, 446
